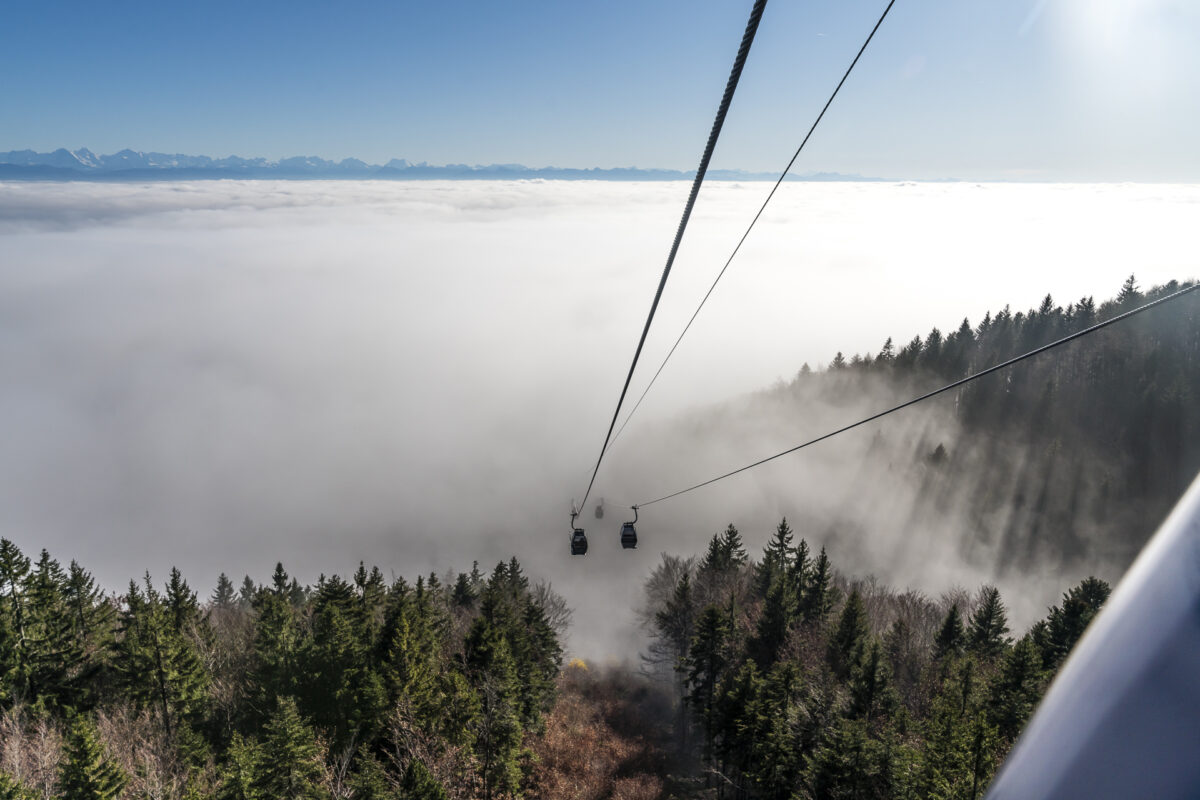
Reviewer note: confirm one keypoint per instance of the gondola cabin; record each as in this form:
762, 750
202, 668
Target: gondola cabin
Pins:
578, 542
600, 509
629, 532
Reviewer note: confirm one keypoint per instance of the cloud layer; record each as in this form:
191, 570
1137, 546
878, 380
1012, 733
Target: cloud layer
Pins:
219, 375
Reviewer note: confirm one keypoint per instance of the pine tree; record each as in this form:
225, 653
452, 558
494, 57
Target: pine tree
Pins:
677, 620
341, 690
182, 603
247, 594
706, 665
989, 623
951, 636
871, 693
846, 643
240, 770
86, 772
817, 599
775, 561
369, 780
274, 670
419, 783
849, 765
1066, 624
55, 654
778, 614
1016, 689
224, 596
11, 789
159, 668
1129, 294
291, 761
777, 759
498, 726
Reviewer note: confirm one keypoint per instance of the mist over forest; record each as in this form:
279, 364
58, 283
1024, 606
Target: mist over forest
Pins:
221, 375
288, 469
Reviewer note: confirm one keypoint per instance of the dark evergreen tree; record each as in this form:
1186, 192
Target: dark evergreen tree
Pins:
86, 772
224, 596
778, 613
370, 781
11, 789
240, 771
182, 604
55, 654
1066, 624
951, 636
419, 783
776, 560
291, 762
707, 663
871, 693
158, 667
989, 623
817, 599
1016, 689
846, 643
850, 765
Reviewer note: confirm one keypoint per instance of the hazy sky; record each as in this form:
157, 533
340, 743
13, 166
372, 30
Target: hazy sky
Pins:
222, 374
974, 89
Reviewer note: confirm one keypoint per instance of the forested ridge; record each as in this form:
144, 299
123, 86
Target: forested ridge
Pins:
350, 689
796, 682
777, 677
1077, 453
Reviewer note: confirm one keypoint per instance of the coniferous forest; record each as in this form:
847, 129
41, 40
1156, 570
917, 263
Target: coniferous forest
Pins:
777, 674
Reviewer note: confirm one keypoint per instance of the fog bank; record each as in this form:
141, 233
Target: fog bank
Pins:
220, 375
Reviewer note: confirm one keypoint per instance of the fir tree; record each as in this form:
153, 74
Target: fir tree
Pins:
775, 561
778, 614
419, 783
989, 623
817, 599
706, 665
86, 772
11, 789
240, 771
951, 636
158, 667
247, 594
224, 596
369, 781
55, 655
1016, 689
846, 643
182, 603
291, 762
871, 693
1066, 624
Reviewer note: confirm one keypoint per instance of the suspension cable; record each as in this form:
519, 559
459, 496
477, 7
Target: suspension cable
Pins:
734, 75
763, 208
935, 392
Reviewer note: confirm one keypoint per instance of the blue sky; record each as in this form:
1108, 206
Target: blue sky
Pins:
1043, 89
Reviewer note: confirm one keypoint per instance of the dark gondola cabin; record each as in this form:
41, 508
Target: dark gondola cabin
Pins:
600, 509
629, 533
578, 542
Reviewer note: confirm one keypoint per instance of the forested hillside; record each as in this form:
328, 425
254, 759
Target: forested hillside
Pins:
777, 678
1068, 459
794, 682
349, 689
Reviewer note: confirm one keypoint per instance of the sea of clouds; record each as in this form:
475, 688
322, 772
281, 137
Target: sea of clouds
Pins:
220, 375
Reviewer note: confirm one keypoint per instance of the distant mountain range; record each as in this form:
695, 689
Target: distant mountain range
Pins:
132, 165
